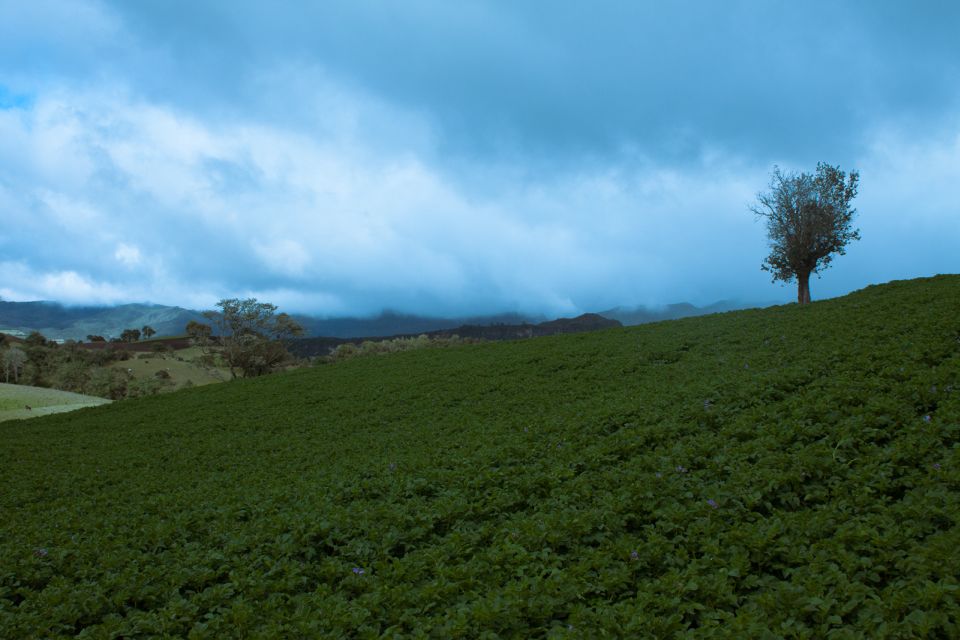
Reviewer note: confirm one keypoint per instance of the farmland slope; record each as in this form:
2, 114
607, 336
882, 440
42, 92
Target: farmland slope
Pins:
786, 472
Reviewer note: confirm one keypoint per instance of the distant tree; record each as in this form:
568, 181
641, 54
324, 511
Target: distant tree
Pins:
96, 339
35, 339
252, 335
809, 219
13, 361
199, 333
130, 335
148, 332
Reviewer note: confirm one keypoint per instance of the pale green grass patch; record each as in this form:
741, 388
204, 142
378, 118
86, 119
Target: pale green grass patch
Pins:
14, 400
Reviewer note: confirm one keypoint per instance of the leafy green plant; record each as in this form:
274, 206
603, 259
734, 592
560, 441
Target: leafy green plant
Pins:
786, 472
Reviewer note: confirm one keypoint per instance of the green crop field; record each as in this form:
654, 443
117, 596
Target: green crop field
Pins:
14, 400
788, 472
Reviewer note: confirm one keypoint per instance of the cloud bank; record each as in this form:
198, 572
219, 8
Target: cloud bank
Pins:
343, 160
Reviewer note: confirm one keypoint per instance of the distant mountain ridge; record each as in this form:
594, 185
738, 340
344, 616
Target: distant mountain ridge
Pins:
391, 323
642, 315
321, 346
55, 320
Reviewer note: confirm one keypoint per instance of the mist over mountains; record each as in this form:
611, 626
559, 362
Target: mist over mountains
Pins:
58, 321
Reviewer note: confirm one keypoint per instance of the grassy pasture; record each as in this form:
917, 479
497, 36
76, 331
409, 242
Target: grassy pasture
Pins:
15, 398
788, 472
181, 365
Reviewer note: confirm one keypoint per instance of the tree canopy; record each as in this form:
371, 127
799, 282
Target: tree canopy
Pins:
809, 220
253, 335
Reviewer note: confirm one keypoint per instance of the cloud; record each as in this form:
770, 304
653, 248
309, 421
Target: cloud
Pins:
68, 287
489, 157
556, 83
244, 206
127, 255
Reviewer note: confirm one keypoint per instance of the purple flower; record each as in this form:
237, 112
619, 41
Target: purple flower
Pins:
358, 571
936, 466
712, 503
926, 418
659, 475
681, 468
634, 555
40, 553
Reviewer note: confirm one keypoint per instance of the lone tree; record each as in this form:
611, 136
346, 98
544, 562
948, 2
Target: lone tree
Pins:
148, 332
253, 335
808, 221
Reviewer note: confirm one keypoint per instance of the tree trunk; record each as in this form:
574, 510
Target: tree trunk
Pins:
803, 288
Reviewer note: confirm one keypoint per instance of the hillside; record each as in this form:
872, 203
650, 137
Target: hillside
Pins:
785, 472
76, 323
19, 401
311, 347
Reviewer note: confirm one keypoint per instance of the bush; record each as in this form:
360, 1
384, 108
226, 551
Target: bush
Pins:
119, 353
139, 387
206, 360
108, 382
379, 347
344, 351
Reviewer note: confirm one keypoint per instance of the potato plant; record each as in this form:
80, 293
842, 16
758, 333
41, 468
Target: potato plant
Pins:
789, 472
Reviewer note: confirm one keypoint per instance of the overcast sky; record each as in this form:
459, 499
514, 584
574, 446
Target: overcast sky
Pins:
458, 157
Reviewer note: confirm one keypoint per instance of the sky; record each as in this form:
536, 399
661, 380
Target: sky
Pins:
460, 158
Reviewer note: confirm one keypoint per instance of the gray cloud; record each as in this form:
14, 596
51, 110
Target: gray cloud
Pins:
461, 158
778, 79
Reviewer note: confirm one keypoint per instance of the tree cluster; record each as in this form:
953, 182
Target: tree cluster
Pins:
69, 367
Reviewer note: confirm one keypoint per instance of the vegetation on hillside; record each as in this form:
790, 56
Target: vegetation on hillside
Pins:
70, 367
252, 339
788, 472
349, 350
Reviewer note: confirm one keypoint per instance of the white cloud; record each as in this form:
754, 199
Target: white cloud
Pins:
63, 286
284, 256
127, 255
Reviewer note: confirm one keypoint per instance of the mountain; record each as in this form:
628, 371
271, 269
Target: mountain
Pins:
55, 320
390, 323
319, 346
642, 315
782, 472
